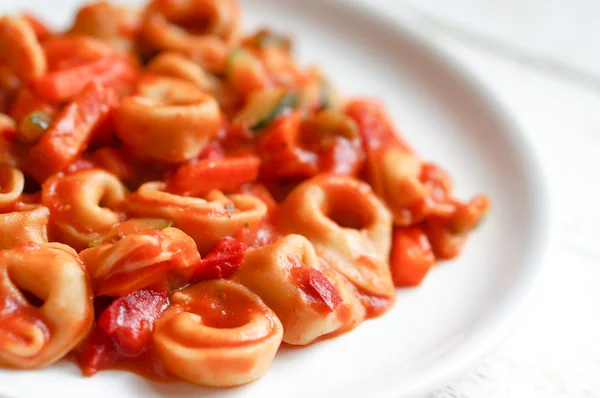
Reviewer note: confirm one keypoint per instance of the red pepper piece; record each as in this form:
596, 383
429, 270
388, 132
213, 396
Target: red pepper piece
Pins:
63, 84
412, 256
97, 352
320, 291
222, 261
227, 174
129, 320
70, 131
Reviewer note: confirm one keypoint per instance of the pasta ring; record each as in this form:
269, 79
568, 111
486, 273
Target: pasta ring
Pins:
80, 205
349, 227
208, 48
115, 25
310, 300
20, 49
138, 260
217, 333
169, 120
35, 337
22, 226
206, 220
176, 65
12, 182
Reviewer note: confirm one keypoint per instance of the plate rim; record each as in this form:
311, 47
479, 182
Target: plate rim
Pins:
509, 313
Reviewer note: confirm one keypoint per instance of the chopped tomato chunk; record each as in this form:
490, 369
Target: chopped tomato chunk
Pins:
222, 261
129, 320
374, 125
412, 256
280, 152
97, 352
318, 289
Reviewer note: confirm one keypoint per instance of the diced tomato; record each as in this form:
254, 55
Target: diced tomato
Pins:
64, 52
97, 352
412, 256
281, 155
9, 134
375, 305
80, 165
70, 131
129, 320
375, 127
318, 289
212, 151
222, 261
226, 174
343, 157
334, 137
114, 70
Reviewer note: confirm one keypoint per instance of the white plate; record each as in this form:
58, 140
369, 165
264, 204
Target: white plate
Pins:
466, 306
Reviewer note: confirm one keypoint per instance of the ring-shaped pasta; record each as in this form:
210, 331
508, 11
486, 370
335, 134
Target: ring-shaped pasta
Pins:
349, 227
217, 333
80, 205
34, 336
113, 24
12, 182
20, 49
400, 184
139, 260
176, 65
207, 220
169, 120
310, 300
203, 30
29, 224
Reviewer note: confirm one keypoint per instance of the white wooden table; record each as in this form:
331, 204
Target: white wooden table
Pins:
542, 60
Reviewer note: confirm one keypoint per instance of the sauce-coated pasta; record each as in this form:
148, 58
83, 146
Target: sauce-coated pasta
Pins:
179, 199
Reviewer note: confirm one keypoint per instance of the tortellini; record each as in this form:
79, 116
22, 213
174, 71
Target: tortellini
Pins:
34, 335
349, 227
12, 182
206, 219
29, 224
19, 222
217, 333
179, 199
401, 180
310, 300
81, 205
20, 49
139, 260
168, 119
177, 65
165, 26
115, 25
